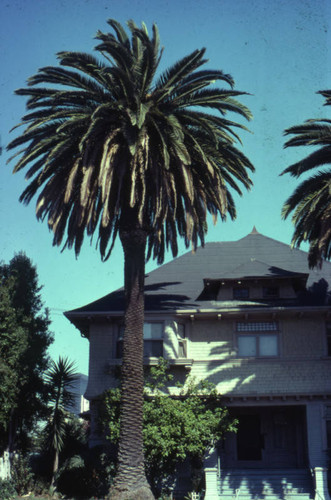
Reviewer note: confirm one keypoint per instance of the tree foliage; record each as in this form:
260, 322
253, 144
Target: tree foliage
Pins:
176, 428
105, 141
310, 203
13, 342
24, 339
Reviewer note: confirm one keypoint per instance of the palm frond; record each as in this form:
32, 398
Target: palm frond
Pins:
102, 138
310, 202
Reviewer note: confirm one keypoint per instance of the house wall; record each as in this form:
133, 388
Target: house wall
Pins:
303, 337
102, 339
266, 378
301, 367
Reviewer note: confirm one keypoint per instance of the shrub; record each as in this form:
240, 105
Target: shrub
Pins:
87, 475
7, 489
22, 475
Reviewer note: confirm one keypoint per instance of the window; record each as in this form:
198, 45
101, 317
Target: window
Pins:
328, 433
270, 292
153, 340
182, 343
181, 330
241, 293
328, 426
328, 337
259, 344
153, 343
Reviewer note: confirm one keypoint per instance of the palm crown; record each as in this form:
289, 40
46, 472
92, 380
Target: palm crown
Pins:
310, 202
108, 146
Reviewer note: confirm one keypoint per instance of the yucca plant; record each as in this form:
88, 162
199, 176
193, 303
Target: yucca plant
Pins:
60, 379
310, 203
114, 150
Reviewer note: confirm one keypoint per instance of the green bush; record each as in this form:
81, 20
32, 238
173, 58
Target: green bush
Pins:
7, 489
87, 475
176, 429
22, 475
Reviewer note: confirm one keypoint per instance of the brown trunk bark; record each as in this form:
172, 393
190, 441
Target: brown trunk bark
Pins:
130, 481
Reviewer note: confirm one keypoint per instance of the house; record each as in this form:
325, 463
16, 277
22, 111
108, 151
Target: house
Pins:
253, 319
80, 403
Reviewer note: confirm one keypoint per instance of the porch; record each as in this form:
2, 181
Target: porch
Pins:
276, 454
268, 437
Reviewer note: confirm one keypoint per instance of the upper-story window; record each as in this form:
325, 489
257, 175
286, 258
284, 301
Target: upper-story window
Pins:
182, 342
153, 340
328, 337
270, 292
328, 426
256, 338
241, 292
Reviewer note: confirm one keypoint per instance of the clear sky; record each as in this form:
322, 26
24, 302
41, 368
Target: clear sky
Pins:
277, 50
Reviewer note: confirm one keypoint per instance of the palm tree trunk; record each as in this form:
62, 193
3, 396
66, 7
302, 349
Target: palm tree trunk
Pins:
130, 481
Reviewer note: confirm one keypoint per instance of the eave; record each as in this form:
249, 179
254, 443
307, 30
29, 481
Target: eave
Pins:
82, 320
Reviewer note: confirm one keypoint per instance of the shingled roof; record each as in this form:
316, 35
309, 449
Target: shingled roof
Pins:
257, 269
178, 285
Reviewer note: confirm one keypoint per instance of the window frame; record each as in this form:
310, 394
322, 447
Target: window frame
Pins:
327, 427
257, 330
328, 338
160, 340
238, 292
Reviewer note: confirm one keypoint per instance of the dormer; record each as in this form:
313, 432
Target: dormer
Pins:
255, 281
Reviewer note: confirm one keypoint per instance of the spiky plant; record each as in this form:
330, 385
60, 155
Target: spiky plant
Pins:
60, 379
310, 203
113, 150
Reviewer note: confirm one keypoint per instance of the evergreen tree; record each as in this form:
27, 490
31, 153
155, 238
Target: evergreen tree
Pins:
24, 340
13, 342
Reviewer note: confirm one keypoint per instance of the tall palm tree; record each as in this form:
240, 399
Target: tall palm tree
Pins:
114, 150
311, 200
60, 379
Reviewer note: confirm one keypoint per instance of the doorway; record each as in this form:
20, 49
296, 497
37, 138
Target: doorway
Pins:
249, 438
267, 437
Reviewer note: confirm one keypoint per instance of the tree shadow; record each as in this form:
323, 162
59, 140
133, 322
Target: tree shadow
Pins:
317, 294
158, 296
261, 483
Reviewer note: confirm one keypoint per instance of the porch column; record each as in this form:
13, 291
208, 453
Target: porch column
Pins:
316, 452
211, 475
321, 483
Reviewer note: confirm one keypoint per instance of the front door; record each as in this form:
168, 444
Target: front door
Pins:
249, 438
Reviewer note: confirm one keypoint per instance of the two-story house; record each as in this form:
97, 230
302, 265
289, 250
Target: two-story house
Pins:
249, 316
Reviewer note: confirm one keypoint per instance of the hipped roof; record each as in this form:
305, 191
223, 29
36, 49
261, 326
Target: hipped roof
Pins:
178, 284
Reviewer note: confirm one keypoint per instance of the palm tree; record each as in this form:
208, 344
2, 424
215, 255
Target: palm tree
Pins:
60, 378
113, 150
311, 200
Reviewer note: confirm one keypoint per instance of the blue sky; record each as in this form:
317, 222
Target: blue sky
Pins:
277, 50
